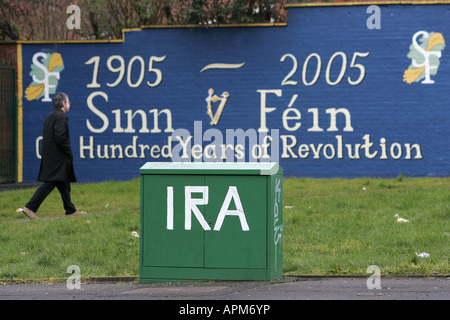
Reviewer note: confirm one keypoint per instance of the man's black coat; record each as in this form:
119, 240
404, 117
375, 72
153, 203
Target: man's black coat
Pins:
57, 158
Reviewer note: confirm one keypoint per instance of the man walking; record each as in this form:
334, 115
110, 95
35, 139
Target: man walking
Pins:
57, 160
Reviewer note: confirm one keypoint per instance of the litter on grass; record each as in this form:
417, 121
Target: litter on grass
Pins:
135, 234
399, 219
423, 255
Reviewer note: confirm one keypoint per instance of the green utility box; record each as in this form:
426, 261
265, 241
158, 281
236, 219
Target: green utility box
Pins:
217, 221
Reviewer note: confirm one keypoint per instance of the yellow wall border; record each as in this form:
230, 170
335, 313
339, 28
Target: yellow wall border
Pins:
206, 26
162, 26
19, 114
354, 3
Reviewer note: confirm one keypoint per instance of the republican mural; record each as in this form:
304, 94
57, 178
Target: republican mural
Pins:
341, 91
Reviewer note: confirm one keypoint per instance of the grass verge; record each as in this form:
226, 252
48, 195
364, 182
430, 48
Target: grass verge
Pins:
331, 226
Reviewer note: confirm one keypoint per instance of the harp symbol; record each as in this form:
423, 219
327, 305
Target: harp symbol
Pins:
214, 98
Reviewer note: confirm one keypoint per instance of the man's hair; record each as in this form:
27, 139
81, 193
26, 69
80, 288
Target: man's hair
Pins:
58, 100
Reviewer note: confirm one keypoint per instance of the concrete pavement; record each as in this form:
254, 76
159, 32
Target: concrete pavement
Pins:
287, 288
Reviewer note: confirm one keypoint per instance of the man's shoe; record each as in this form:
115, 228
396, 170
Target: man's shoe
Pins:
77, 213
30, 214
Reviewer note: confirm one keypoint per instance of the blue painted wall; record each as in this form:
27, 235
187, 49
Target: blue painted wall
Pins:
329, 120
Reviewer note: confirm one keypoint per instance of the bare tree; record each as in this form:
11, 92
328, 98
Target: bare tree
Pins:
105, 19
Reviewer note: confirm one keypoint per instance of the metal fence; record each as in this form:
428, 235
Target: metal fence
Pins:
8, 121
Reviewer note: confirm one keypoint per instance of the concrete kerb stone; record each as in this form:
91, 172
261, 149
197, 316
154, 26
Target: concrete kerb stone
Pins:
285, 278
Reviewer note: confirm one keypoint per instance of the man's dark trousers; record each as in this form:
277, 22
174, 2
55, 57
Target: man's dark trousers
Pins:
44, 190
